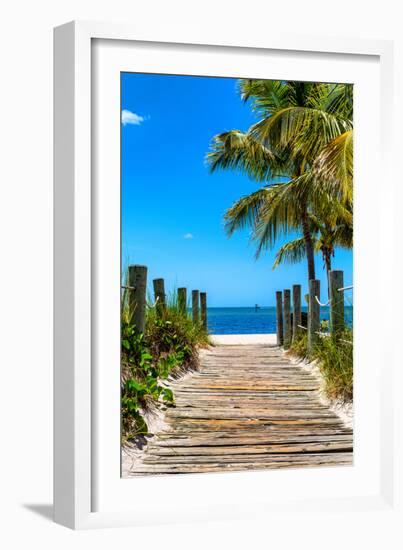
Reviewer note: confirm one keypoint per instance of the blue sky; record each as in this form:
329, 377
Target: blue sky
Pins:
172, 207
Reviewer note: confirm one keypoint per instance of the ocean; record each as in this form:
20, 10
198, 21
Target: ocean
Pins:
245, 320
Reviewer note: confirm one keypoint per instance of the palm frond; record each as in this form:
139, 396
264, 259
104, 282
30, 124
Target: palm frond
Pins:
304, 133
333, 166
305, 130
241, 151
335, 99
292, 252
266, 96
279, 214
343, 236
245, 212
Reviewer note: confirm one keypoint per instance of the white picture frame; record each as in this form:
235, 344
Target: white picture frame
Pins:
84, 496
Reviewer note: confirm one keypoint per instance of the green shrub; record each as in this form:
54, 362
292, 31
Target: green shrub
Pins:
335, 360
167, 347
299, 345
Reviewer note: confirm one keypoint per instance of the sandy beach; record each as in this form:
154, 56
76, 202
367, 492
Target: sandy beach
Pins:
243, 339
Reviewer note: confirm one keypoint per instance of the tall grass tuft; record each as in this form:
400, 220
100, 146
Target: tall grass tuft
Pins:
334, 357
335, 360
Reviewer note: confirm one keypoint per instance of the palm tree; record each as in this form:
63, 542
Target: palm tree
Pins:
308, 117
274, 208
325, 237
297, 121
333, 167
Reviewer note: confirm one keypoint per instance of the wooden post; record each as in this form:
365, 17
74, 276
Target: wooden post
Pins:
287, 318
203, 309
137, 280
336, 302
297, 317
279, 315
195, 306
182, 300
159, 295
313, 314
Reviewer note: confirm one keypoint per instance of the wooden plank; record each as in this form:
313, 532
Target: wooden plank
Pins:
195, 436
333, 459
238, 449
206, 440
245, 423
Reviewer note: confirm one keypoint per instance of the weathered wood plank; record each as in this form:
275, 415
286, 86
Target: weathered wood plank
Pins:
239, 449
223, 439
321, 459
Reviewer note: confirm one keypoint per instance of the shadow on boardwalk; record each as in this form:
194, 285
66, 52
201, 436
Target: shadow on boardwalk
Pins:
248, 408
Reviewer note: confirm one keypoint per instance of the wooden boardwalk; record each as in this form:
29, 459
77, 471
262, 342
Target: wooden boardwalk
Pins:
248, 408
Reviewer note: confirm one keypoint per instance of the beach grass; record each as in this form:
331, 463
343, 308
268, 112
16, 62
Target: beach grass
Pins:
334, 359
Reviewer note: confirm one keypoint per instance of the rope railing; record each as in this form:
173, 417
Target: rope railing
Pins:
320, 303
128, 287
342, 289
317, 332
287, 329
152, 306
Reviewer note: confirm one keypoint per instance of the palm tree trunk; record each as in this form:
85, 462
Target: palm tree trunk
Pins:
308, 244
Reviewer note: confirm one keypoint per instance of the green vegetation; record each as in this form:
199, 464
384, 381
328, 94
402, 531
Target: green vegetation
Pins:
334, 357
168, 348
301, 151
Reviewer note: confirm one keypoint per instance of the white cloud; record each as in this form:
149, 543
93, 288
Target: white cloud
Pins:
188, 236
131, 118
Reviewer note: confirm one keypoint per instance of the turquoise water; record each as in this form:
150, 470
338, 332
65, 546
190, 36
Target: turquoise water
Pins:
245, 320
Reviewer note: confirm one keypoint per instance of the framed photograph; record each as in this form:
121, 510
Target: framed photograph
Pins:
213, 312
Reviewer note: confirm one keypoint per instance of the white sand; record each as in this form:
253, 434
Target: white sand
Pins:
345, 411
243, 339
132, 452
